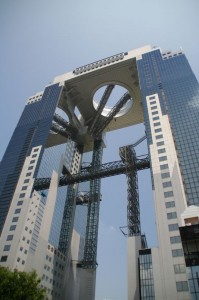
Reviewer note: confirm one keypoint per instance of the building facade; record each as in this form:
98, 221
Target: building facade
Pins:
51, 224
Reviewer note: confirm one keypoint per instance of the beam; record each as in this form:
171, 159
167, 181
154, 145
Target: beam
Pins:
113, 112
105, 170
101, 106
67, 127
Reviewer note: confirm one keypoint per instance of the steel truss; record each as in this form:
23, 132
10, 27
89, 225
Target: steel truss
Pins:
128, 156
89, 173
101, 106
67, 220
64, 128
113, 112
90, 249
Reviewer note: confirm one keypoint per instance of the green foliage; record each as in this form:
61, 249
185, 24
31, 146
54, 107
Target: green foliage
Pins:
20, 285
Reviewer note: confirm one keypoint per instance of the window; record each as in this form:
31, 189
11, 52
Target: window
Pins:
163, 167
182, 286
156, 118
152, 102
162, 158
156, 124
7, 248
153, 107
168, 194
161, 151
170, 204
167, 184
12, 227
17, 211
179, 268
160, 144
4, 258
26, 180
151, 97
15, 219
172, 215
177, 252
160, 136
28, 174
24, 188
19, 203
9, 237
158, 130
35, 150
154, 112
22, 195
30, 168
175, 239
173, 227
165, 175
32, 161
34, 155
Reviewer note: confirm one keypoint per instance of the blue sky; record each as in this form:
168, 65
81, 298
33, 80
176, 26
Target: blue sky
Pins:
43, 38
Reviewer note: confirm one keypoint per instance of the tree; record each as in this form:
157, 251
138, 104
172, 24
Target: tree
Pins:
15, 285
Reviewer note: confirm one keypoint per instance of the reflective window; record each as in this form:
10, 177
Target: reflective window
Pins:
170, 204
182, 286
179, 268
166, 184
9, 237
163, 167
12, 227
162, 158
160, 143
160, 136
175, 239
161, 150
177, 252
146, 277
165, 175
173, 227
171, 215
6, 248
168, 194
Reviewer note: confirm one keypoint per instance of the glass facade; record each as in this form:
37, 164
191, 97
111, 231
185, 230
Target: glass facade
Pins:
178, 90
31, 131
51, 160
146, 275
190, 242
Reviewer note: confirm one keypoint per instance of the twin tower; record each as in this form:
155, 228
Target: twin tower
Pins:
50, 199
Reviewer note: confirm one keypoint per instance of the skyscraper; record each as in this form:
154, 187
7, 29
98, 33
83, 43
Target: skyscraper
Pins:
50, 176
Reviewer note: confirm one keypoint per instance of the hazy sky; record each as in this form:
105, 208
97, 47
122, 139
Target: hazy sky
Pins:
43, 38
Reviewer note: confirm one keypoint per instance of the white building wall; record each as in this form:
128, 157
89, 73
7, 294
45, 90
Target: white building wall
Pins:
170, 202
133, 247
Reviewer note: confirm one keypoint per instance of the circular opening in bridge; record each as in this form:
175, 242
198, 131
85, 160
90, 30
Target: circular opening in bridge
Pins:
113, 95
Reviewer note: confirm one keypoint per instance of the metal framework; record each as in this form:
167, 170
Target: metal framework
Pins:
101, 106
64, 128
128, 156
90, 250
113, 112
67, 220
89, 173
129, 165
